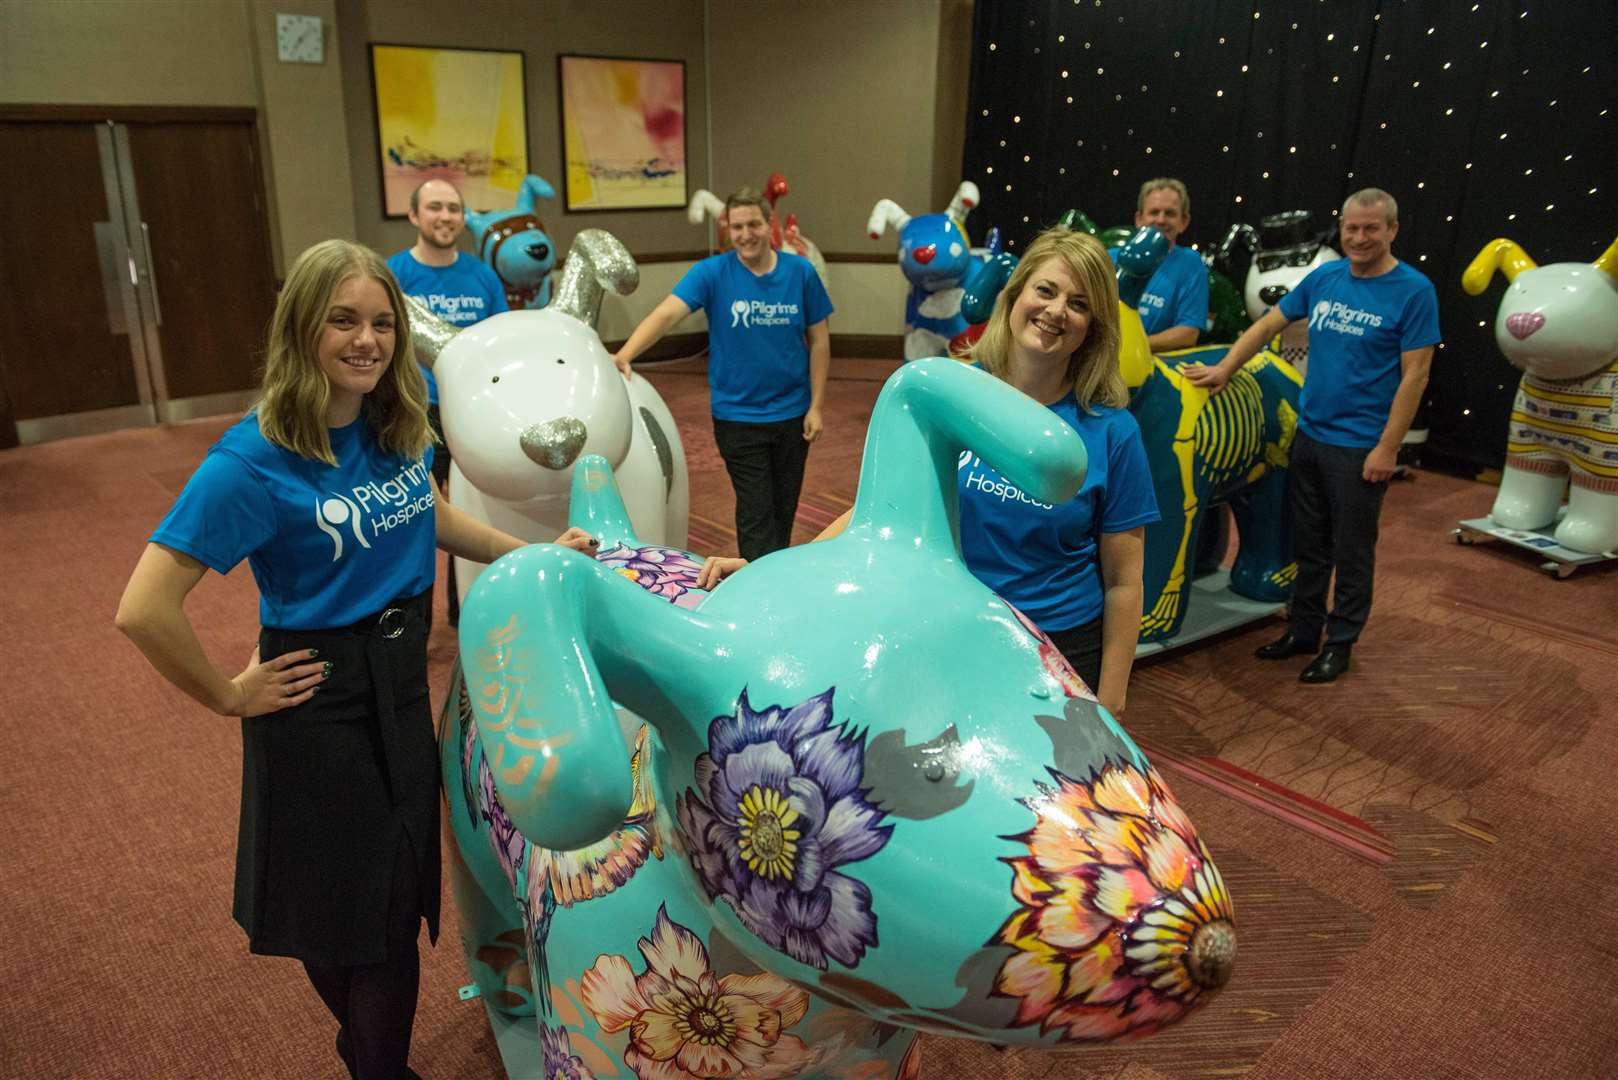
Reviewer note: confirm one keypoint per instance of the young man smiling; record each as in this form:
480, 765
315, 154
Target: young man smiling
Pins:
456, 287
769, 352
1373, 325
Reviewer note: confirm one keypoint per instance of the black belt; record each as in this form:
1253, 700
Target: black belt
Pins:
377, 630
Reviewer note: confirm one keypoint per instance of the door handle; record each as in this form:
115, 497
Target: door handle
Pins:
116, 268
151, 274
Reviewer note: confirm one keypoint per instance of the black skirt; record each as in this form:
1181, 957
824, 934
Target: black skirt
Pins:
338, 794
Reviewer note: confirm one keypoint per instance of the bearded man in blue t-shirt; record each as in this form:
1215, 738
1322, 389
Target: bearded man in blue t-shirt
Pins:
769, 351
1174, 307
456, 287
1373, 325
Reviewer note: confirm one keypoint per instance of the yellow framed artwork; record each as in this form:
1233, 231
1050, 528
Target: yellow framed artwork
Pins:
451, 114
623, 132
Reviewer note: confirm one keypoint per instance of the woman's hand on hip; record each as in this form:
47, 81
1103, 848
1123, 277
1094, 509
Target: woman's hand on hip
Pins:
272, 685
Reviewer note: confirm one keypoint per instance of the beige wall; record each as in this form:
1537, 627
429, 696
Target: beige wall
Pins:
845, 112
139, 52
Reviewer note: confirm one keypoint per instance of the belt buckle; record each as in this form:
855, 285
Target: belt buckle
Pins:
391, 623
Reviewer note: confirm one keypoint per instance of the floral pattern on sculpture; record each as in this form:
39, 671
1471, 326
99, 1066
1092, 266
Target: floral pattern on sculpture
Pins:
661, 571
1056, 665
600, 868
557, 1057
686, 1022
777, 811
1113, 894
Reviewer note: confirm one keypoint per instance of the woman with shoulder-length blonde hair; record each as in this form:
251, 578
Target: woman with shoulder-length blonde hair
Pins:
1073, 569
325, 489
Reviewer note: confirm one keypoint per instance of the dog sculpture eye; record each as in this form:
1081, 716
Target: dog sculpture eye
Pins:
559, 360
495, 379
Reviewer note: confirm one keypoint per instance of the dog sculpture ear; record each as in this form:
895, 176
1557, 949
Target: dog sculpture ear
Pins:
596, 505
544, 631
534, 188
1501, 254
428, 333
929, 414
886, 213
597, 262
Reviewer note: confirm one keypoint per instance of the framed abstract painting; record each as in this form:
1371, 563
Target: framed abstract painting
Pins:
450, 114
623, 132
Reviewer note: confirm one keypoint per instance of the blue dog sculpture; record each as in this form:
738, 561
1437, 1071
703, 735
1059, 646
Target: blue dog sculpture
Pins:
934, 256
869, 777
515, 245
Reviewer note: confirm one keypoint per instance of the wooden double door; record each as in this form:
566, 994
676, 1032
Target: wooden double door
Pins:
136, 276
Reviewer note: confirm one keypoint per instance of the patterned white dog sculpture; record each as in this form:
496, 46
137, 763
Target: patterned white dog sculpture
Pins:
1559, 324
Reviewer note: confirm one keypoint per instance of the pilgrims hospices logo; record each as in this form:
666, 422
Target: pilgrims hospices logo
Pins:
383, 506
750, 313
1339, 317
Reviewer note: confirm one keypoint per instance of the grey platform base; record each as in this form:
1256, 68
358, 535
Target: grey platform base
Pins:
1560, 561
1213, 610
518, 1039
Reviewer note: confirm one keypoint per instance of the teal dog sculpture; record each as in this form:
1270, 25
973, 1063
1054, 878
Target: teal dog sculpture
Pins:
873, 779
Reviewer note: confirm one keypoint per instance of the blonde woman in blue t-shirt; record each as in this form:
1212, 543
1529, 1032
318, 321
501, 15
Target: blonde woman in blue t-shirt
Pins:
1073, 569
325, 489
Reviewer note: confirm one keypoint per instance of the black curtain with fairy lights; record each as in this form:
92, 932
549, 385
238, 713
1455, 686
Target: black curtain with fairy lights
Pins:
1483, 120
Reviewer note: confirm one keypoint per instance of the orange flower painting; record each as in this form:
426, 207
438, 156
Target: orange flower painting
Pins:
1124, 923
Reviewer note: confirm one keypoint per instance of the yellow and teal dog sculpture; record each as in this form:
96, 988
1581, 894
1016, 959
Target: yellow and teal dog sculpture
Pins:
869, 797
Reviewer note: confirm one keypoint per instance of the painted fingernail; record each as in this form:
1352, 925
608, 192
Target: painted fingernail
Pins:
325, 671
313, 653
314, 690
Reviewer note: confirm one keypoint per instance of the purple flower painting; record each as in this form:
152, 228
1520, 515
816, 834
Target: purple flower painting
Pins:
776, 815
557, 1057
507, 842
661, 571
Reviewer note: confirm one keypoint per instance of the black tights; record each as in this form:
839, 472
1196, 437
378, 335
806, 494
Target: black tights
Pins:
376, 1005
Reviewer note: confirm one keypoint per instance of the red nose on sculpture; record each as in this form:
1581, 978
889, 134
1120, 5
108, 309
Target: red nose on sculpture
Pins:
924, 255
1524, 323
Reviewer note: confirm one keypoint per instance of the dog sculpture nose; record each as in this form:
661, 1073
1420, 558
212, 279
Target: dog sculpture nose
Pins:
555, 444
539, 252
1522, 324
924, 255
1271, 294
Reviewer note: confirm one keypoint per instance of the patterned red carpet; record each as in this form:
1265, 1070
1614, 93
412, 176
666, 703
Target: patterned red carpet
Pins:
1422, 855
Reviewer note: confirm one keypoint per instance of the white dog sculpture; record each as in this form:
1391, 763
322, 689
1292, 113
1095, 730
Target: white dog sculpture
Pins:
525, 394
1559, 324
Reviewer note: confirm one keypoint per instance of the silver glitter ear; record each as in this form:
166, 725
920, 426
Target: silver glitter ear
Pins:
428, 333
597, 262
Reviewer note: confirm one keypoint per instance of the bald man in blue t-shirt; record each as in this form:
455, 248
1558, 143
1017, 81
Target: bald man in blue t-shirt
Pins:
1174, 307
1373, 325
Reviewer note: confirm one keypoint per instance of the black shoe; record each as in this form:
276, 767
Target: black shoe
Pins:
345, 1050
1325, 667
1285, 646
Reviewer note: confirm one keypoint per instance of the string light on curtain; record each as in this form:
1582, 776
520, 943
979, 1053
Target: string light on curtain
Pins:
1262, 107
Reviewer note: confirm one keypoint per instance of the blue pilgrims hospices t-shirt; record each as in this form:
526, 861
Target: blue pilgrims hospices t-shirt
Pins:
328, 546
1045, 559
462, 293
1358, 326
758, 360
1177, 295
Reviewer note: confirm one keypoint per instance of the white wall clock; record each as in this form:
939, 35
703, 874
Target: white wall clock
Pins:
300, 39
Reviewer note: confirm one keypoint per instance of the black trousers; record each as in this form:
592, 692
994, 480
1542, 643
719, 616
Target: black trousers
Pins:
766, 463
1334, 521
1082, 648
